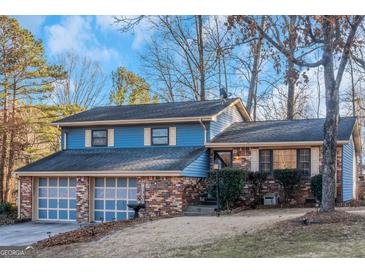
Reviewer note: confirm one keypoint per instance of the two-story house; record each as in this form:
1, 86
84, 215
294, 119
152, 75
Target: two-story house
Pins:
161, 154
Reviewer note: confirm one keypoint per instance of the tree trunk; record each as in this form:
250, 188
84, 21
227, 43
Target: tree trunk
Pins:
12, 130
330, 134
291, 75
4, 145
255, 70
291, 79
199, 22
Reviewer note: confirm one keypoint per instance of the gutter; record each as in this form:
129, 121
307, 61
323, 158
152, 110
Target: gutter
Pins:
18, 197
272, 144
205, 130
134, 121
101, 173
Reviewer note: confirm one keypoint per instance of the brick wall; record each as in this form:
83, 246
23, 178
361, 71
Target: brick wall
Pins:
25, 197
165, 196
83, 199
242, 159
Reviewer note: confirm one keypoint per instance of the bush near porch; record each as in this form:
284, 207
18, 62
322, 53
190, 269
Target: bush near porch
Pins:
230, 182
239, 187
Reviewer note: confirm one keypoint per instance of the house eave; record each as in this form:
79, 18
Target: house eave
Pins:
134, 121
270, 144
136, 173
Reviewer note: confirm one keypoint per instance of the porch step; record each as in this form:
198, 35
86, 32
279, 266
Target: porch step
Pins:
209, 202
200, 210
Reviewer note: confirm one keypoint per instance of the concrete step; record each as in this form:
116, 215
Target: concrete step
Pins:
200, 210
209, 202
192, 214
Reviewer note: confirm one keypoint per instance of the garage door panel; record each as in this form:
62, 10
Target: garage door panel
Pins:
111, 197
57, 198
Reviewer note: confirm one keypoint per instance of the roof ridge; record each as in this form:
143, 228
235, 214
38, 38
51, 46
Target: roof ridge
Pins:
162, 103
294, 120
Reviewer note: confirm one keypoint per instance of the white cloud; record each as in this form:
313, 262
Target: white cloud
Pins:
105, 22
76, 34
33, 23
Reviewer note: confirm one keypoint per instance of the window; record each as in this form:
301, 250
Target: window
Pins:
223, 159
99, 138
304, 161
284, 158
265, 159
160, 136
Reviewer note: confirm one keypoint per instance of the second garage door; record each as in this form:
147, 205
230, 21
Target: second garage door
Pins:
111, 196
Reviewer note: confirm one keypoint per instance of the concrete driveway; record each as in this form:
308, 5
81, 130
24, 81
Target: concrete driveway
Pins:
31, 232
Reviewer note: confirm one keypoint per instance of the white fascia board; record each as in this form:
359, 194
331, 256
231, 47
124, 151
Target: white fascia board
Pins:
100, 173
134, 122
273, 144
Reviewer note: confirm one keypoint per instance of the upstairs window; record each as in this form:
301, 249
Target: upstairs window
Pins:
160, 136
99, 138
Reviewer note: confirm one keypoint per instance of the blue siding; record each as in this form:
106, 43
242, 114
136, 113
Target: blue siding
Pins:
198, 168
191, 134
76, 138
347, 171
128, 137
224, 120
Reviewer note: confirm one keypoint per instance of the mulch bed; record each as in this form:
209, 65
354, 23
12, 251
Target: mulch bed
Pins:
337, 216
91, 232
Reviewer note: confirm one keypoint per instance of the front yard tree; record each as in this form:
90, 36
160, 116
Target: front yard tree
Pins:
24, 77
332, 38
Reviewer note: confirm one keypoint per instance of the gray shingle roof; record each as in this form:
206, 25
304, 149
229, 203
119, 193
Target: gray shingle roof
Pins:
125, 159
150, 111
282, 131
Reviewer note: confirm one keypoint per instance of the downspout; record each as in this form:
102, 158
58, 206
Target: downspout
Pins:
205, 130
17, 177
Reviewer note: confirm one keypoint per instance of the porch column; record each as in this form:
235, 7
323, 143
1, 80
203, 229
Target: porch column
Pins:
82, 199
25, 183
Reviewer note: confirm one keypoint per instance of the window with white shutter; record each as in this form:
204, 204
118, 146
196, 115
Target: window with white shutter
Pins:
110, 137
87, 137
172, 136
147, 136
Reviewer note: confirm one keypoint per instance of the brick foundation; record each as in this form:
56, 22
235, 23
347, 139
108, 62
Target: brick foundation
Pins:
165, 196
82, 199
25, 197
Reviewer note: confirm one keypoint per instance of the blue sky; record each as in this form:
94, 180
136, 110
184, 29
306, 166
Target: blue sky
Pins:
93, 36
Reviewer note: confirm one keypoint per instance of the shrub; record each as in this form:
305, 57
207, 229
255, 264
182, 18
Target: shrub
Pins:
288, 179
231, 182
5, 207
257, 179
316, 186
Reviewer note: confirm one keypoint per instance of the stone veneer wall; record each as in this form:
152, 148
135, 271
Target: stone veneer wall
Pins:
83, 199
165, 196
25, 197
242, 159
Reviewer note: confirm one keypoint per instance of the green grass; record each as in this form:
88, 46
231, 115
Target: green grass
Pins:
287, 239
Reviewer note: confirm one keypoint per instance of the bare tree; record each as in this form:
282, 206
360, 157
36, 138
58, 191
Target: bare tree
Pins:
334, 37
84, 84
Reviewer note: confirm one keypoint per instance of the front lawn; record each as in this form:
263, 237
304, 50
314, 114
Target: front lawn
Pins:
338, 235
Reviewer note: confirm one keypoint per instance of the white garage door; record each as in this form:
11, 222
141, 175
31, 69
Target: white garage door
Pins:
57, 198
111, 196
